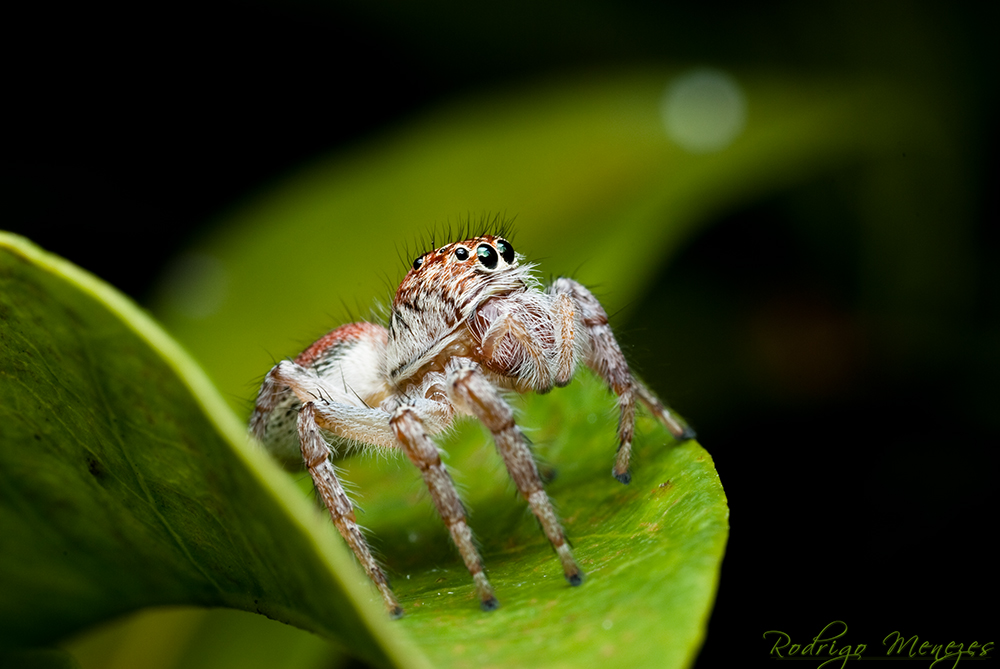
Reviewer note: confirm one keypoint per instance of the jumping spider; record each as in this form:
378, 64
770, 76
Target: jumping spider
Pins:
469, 321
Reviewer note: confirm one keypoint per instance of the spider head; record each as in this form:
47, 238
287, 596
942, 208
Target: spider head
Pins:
444, 289
453, 279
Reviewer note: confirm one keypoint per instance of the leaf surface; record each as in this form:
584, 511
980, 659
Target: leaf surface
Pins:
126, 482
651, 550
122, 491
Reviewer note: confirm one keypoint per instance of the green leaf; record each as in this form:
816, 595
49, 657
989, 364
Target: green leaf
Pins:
126, 484
651, 550
125, 481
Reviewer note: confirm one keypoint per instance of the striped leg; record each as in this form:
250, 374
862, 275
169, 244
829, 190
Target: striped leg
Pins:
423, 453
680, 431
606, 358
472, 391
316, 455
566, 353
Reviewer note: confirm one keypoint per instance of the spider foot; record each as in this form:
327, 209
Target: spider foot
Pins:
575, 579
624, 477
396, 612
490, 604
687, 434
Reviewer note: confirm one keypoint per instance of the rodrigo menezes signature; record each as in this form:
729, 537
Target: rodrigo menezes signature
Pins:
829, 648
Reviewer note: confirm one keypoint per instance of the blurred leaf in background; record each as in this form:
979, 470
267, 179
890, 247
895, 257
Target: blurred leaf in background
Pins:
605, 192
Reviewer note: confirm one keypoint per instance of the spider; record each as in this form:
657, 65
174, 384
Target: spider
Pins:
469, 321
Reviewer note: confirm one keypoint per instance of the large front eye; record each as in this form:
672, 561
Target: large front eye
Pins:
487, 255
506, 251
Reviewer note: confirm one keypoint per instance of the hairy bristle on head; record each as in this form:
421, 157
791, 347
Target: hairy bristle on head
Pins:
467, 227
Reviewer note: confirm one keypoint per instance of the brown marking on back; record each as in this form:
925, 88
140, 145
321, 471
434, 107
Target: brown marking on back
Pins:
338, 337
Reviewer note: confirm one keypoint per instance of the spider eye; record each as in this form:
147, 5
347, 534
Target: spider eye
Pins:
487, 255
506, 251
418, 262
461, 253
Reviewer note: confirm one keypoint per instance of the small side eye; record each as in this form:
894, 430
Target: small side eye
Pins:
418, 262
462, 253
506, 251
487, 255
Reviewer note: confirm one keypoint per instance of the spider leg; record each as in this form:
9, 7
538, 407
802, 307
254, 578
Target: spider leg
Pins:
272, 393
470, 389
566, 325
335, 411
422, 452
680, 431
316, 454
291, 390
536, 370
607, 360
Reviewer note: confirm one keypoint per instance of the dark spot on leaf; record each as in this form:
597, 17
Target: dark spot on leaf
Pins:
96, 469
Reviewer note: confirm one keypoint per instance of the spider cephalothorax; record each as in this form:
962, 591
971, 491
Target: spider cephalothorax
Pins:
469, 320
441, 293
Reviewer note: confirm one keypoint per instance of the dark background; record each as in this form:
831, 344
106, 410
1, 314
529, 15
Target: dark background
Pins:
857, 450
